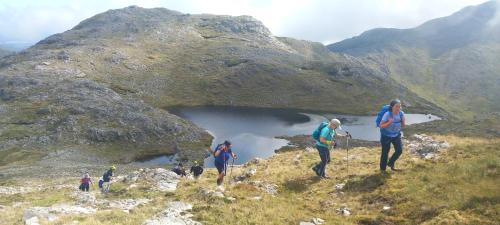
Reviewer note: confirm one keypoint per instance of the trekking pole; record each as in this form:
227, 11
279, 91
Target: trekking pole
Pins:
347, 144
231, 171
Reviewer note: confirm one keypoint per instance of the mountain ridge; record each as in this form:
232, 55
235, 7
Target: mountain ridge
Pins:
449, 61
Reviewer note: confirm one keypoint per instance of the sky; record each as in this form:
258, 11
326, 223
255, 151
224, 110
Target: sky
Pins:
325, 21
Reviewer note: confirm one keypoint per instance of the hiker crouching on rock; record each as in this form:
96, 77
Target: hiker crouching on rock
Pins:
106, 178
222, 154
196, 170
391, 123
85, 182
323, 144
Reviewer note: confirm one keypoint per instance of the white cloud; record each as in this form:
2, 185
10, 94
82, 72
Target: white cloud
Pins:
317, 20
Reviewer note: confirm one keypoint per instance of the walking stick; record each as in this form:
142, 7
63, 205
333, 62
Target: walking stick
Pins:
347, 144
231, 171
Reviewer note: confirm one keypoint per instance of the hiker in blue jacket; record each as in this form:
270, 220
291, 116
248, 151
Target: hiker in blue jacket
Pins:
391, 124
222, 155
106, 178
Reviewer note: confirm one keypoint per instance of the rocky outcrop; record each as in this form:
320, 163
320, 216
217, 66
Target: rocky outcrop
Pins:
86, 113
246, 174
267, 187
174, 214
425, 146
33, 215
162, 179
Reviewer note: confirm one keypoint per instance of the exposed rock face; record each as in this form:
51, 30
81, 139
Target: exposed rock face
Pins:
174, 215
269, 188
33, 215
247, 174
425, 147
163, 180
84, 112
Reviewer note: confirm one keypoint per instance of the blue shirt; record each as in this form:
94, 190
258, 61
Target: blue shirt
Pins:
394, 129
327, 133
224, 156
106, 177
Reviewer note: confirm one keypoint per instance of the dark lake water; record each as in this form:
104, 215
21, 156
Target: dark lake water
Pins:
253, 131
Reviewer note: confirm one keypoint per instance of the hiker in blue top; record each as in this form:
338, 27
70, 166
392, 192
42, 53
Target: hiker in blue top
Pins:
222, 154
391, 123
106, 178
326, 139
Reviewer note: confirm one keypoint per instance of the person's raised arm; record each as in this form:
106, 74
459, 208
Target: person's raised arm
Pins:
386, 123
324, 141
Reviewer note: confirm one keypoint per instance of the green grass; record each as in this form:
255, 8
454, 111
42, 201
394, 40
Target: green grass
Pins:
18, 155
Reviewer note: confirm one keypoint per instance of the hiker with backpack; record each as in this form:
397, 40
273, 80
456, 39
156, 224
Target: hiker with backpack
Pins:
196, 170
179, 170
106, 178
222, 154
391, 120
85, 182
325, 138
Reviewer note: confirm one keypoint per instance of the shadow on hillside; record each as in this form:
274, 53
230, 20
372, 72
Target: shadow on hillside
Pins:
301, 184
366, 183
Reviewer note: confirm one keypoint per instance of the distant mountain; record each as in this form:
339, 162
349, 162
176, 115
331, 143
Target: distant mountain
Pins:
452, 61
4, 52
14, 46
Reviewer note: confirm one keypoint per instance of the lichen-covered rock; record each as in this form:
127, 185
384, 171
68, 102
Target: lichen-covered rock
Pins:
173, 215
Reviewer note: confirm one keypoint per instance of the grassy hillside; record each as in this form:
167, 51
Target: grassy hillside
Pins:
458, 188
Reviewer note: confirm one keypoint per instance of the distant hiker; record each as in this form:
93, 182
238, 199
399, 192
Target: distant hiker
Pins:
222, 154
85, 182
390, 128
179, 170
106, 178
324, 136
196, 170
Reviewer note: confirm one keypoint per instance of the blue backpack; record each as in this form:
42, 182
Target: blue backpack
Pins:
213, 153
380, 114
317, 132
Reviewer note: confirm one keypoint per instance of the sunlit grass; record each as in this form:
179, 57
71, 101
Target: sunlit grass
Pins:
459, 188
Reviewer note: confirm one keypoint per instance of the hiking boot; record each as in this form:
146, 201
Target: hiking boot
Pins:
315, 169
219, 182
395, 170
325, 177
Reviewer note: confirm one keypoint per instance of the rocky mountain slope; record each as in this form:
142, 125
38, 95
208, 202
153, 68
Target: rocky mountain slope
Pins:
98, 91
167, 58
451, 61
4, 52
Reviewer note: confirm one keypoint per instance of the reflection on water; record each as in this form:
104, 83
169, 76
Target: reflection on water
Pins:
253, 130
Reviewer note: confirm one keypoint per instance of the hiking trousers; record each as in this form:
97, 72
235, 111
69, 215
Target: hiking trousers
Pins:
324, 155
105, 187
386, 141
